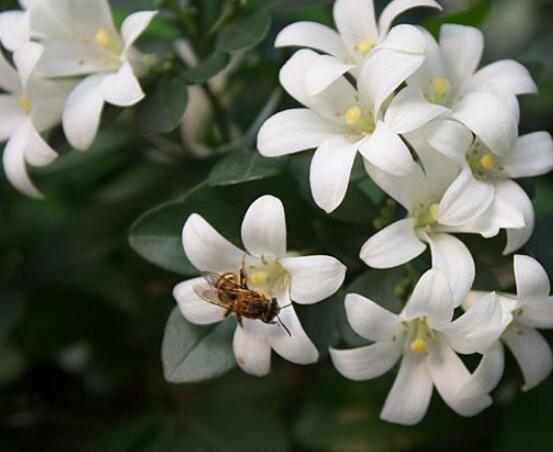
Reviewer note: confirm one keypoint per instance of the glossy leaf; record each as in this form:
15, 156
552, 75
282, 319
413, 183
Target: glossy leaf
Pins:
208, 68
244, 34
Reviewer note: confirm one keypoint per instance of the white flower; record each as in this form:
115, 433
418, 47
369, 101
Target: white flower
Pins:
28, 107
15, 26
426, 339
484, 100
358, 35
79, 39
531, 308
530, 155
439, 201
340, 120
304, 279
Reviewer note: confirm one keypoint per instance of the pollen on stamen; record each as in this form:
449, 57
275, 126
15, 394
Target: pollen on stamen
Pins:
434, 211
259, 278
418, 346
102, 37
441, 85
364, 47
353, 115
488, 162
25, 103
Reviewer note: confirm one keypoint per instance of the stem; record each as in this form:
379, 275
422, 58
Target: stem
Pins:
218, 113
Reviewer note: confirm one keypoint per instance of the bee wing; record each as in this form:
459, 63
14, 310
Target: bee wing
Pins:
208, 294
211, 278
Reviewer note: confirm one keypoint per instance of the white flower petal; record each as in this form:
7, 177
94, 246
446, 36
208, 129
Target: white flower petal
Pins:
409, 190
208, 250
466, 199
14, 162
452, 257
462, 49
510, 194
253, 353
408, 400
313, 35
295, 347
9, 80
194, 308
386, 150
323, 72
532, 155
479, 328
356, 23
395, 245
397, 7
370, 320
451, 138
531, 278
84, 16
431, 298
264, 228
505, 76
294, 130
82, 112
491, 118
12, 115
330, 171
26, 58
405, 38
14, 29
366, 362
383, 72
532, 353
332, 103
450, 375
409, 111
487, 375
38, 152
134, 25
313, 278
537, 314
122, 88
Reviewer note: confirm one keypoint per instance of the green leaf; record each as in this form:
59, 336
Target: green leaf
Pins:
290, 5
473, 15
192, 353
156, 236
245, 166
243, 34
164, 106
11, 307
208, 68
12, 364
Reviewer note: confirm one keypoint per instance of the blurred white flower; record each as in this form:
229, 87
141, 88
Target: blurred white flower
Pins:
28, 107
340, 121
15, 26
425, 338
529, 156
79, 39
531, 308
439, 201
303, 279
357, 37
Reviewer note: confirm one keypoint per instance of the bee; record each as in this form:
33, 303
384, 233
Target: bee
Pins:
231, 292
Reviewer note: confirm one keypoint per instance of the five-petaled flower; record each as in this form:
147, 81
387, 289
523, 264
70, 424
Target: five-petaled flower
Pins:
302, 279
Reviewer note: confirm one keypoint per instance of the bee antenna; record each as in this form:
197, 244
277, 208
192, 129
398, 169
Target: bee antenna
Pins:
286, 306
284, 326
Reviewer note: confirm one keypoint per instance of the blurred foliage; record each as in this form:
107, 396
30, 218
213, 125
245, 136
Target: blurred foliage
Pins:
82, 314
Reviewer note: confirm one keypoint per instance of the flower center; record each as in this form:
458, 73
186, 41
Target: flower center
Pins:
269, 276
422, 333
481, 161
105, 40
439, 89
364, 47
25, 103
427, 217
361, 123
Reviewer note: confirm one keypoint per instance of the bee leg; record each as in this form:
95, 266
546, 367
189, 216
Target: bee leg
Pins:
243, 274
239, 319
227, 313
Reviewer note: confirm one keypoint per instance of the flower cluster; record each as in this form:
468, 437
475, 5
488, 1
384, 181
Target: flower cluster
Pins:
68, 62
439, 136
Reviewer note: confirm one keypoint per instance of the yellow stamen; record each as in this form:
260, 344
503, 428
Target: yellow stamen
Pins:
418, 346
25, 103
441, 85
102, 38
259, 278
364, 47
353, 115
488, 162
434, 211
